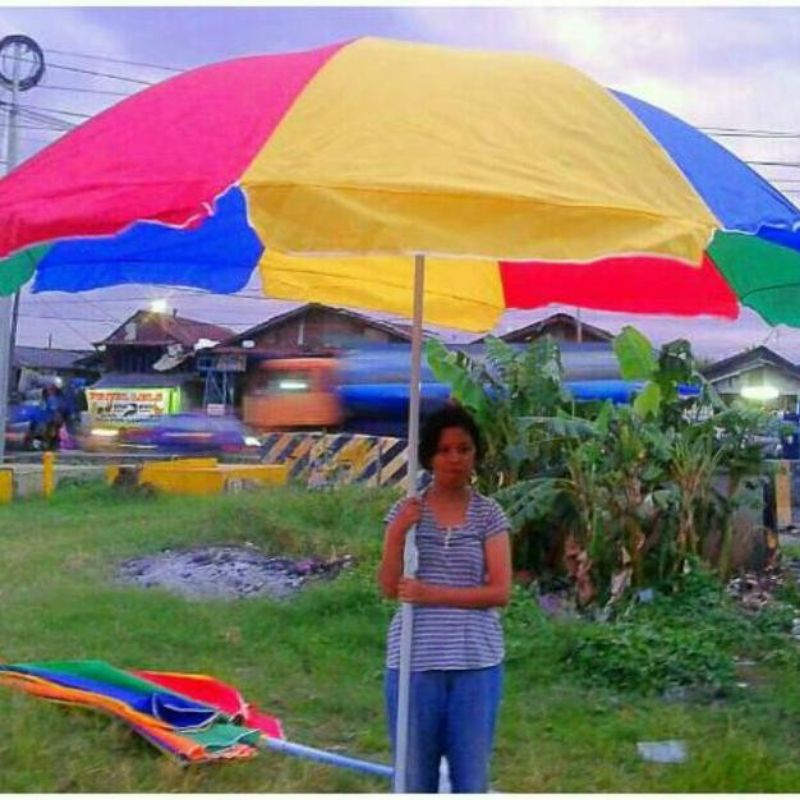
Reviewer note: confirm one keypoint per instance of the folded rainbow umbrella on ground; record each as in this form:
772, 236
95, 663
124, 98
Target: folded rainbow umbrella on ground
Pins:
193, 718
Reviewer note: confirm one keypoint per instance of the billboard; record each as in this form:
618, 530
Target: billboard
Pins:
120, 406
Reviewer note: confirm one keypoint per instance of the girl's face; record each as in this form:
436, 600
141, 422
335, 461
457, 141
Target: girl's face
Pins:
454, 460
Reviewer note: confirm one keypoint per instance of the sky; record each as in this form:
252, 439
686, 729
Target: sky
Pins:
733, 71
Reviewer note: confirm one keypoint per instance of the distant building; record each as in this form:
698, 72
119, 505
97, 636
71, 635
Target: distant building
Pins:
32, 365
315, 327
149, 365
562, 328
759, 369
142, 341
312, 329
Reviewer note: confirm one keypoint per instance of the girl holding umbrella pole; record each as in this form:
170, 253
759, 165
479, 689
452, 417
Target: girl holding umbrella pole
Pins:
464, 575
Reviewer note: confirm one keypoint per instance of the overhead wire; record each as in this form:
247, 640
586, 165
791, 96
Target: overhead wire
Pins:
38, 116
80, 70
114, 60
31, 107
66, 321
85, 90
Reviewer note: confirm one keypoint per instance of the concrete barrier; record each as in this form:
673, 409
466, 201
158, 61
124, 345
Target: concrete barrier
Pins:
199, 476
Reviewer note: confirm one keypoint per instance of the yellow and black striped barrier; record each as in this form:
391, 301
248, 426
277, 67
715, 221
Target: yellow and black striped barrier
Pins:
321, 459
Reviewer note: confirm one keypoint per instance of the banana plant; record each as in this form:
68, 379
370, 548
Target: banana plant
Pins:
624, 493
504, 391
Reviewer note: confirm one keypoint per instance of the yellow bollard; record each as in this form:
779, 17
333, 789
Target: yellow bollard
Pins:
6, 485
48, 473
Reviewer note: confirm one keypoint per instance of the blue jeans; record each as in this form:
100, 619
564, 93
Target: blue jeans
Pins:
452, 713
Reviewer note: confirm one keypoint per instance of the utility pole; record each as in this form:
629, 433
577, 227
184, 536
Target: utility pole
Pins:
21, 68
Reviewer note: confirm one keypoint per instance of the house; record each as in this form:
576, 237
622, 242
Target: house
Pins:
139, 344
561, 327
149, 365
759, 373
31, 365
310, 330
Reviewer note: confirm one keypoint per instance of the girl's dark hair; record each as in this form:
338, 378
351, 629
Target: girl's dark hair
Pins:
451, 416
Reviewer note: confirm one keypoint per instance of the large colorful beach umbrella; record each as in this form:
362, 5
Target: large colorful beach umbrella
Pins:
373, 147
506, 180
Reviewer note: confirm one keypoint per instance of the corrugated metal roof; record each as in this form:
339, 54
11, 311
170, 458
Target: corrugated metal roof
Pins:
288, 316
143, 380
48, 357
153, 328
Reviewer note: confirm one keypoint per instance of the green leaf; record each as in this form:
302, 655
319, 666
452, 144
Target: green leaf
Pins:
637, 361
648, 401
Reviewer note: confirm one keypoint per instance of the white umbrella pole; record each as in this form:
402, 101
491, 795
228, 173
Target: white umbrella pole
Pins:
410, 553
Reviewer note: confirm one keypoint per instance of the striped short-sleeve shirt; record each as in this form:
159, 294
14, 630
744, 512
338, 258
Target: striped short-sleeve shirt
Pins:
444, 637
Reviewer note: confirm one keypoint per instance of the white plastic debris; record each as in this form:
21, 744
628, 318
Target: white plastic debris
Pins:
670, 751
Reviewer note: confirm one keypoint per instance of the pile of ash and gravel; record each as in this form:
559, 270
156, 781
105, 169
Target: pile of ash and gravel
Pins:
227, 572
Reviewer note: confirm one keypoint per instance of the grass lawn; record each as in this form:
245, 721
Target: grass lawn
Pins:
316, 662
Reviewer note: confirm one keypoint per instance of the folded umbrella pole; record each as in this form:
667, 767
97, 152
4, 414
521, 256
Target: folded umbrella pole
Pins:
325, 757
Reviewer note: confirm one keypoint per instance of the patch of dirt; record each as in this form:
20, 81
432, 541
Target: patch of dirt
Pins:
227, 572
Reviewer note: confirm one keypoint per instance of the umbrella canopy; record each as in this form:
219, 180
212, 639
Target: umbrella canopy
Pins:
489, 163
191, 717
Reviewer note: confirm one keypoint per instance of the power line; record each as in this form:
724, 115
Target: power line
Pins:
37, 117
25, 127
114, 60
66, 322
722, 130
51, 65
53, 110
744, 132
790, 164
84, 90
